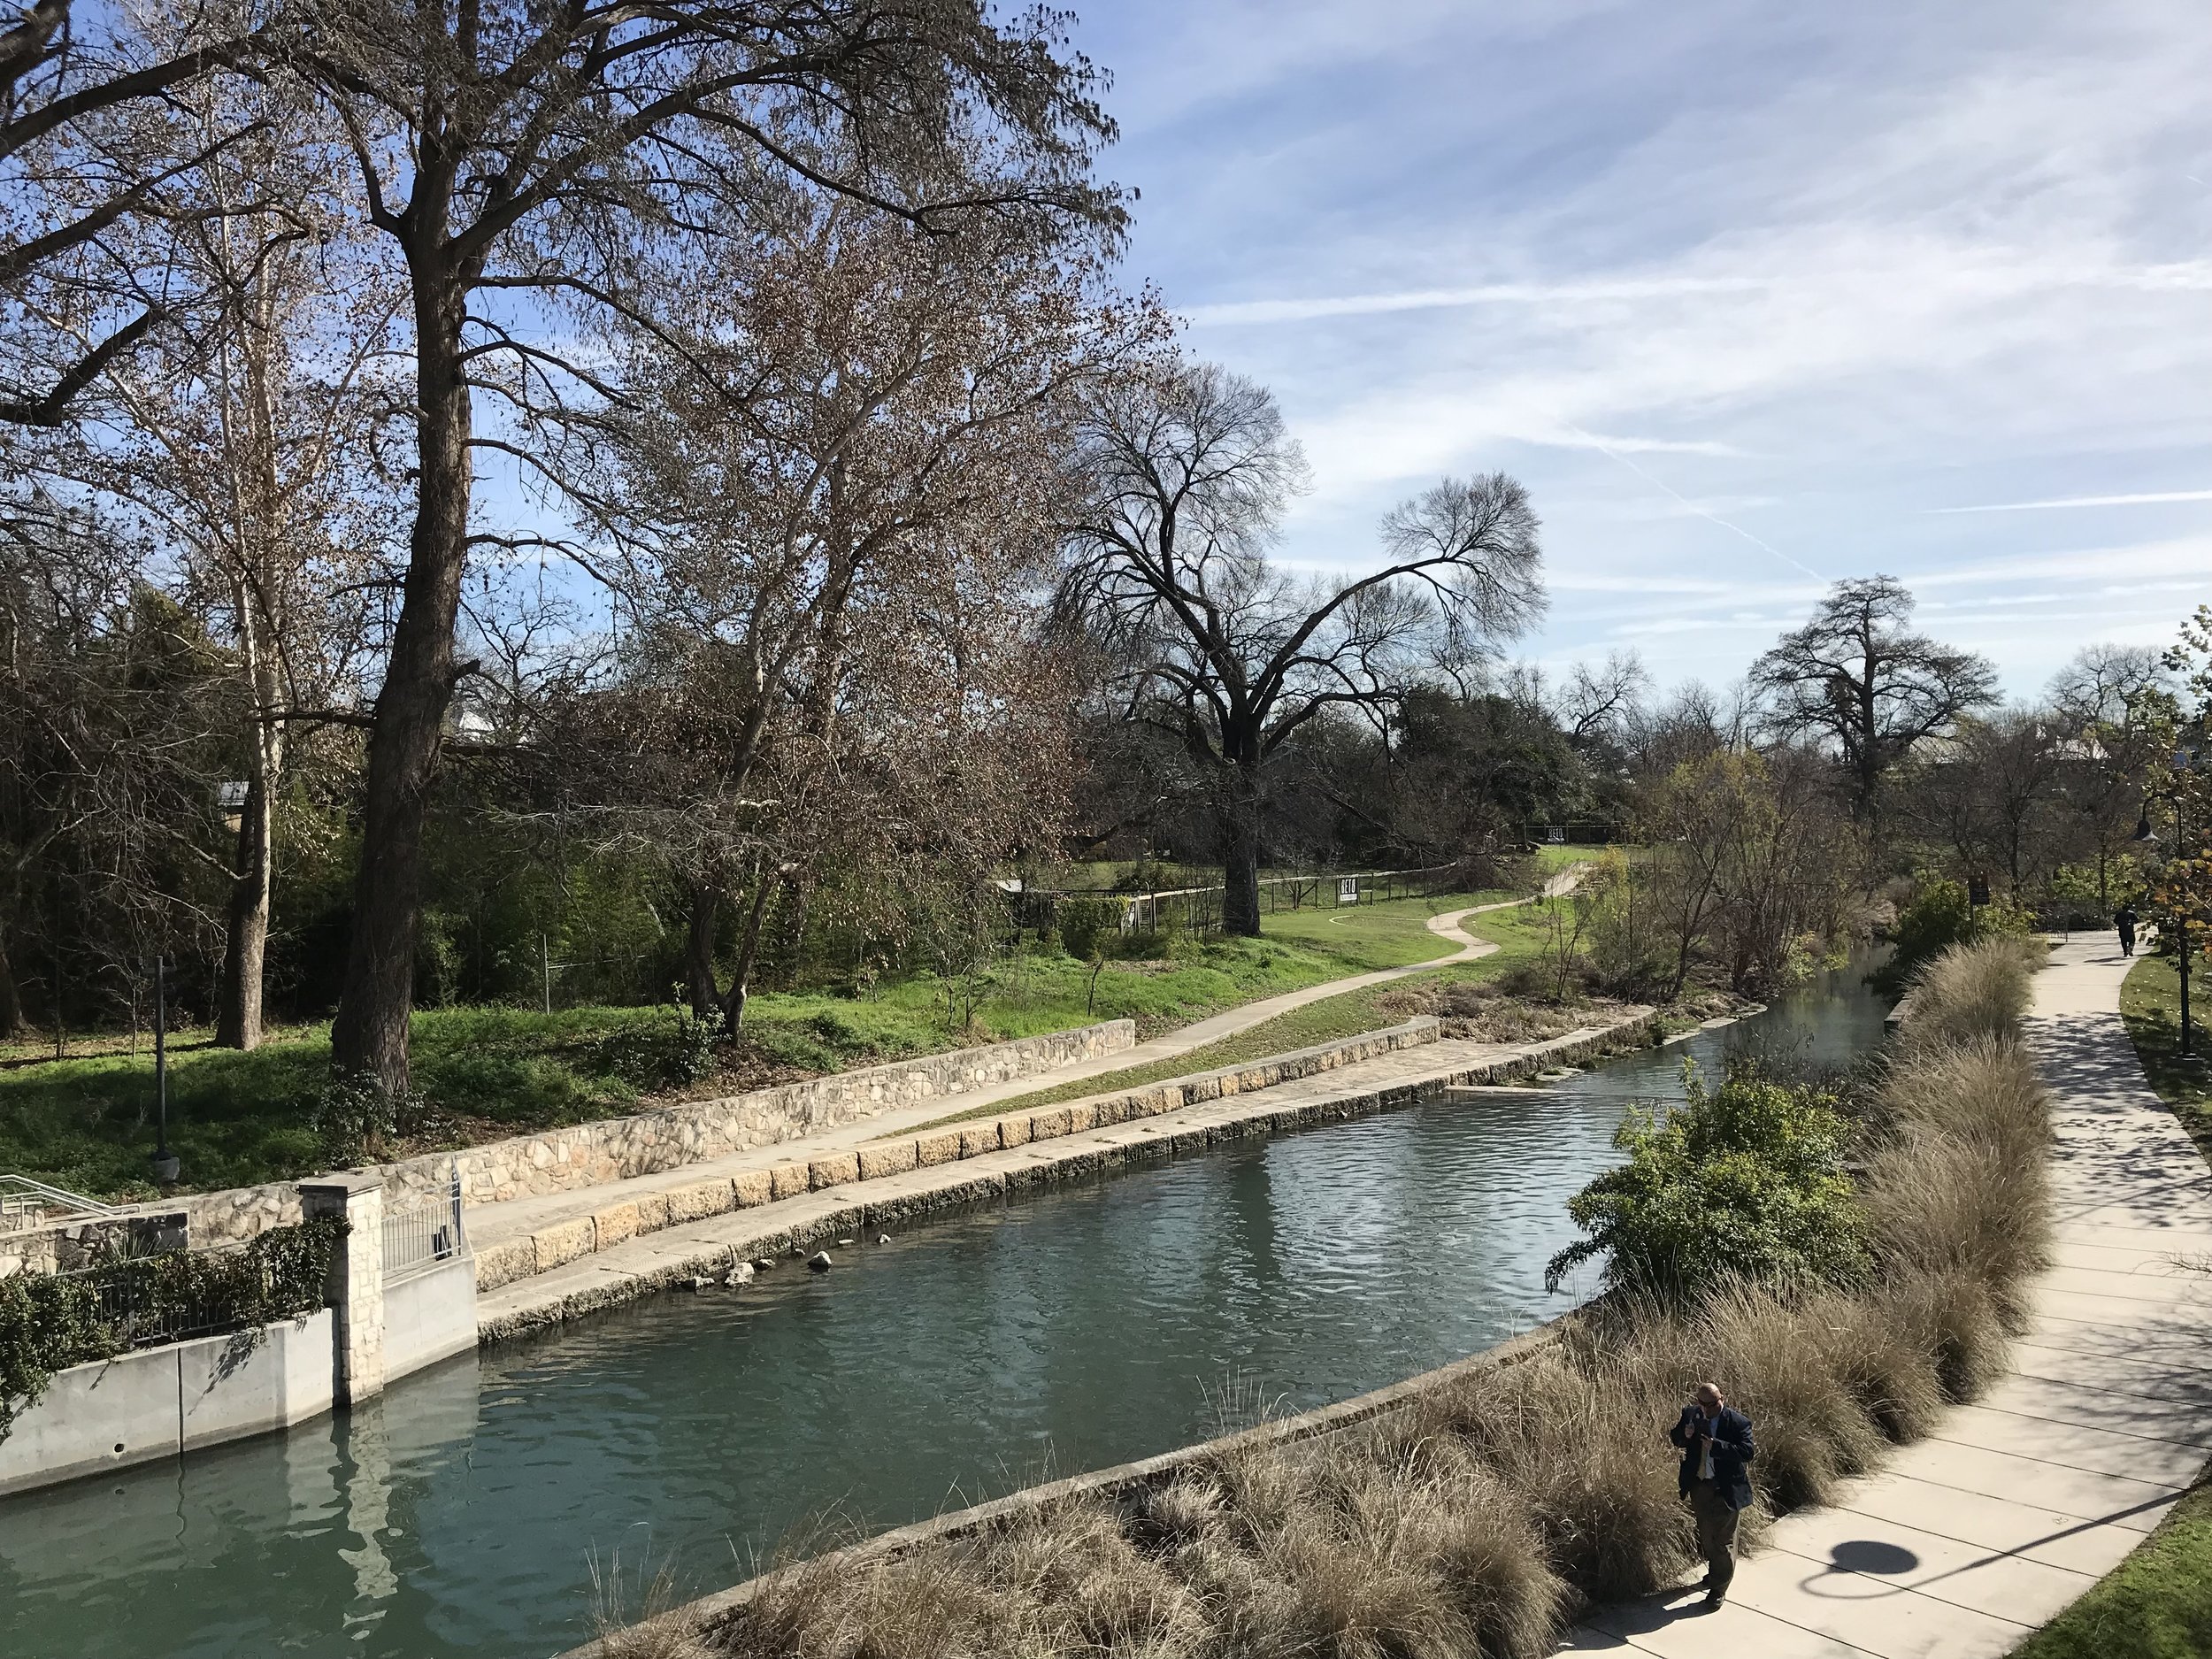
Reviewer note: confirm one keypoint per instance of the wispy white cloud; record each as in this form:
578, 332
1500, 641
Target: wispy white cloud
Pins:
2142, 499
1736, 292
1302, 311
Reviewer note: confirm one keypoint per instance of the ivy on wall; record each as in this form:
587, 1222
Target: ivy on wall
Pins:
50, 1322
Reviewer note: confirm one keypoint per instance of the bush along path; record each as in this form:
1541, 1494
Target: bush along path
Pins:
1475, 1509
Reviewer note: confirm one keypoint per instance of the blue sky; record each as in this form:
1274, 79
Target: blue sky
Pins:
1751, 296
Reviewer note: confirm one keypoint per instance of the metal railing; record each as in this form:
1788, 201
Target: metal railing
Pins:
26, 1202
426, 1235
1198, 910
147, 1309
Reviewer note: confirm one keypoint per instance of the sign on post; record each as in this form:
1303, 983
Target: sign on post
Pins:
1348, 890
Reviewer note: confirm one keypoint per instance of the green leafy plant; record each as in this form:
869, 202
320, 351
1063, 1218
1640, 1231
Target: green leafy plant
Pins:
50, 1322
1740, 1184
1088, 926
1939, 916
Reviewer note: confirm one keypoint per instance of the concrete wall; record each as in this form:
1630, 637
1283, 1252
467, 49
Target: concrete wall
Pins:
429, 1315
615, 1148
164, 1400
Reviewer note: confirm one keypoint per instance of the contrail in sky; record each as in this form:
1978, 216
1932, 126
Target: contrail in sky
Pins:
2085, 501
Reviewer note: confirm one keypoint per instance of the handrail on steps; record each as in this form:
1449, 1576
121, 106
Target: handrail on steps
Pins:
24, 1200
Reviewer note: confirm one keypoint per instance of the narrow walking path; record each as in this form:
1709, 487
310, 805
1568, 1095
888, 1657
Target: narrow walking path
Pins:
492, 1224
1970, 1539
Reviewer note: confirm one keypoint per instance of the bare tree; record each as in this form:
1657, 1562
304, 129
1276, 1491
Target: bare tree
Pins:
89, 173
1598, 704
245, 457
539, 167
828, 507
1186, 470
2105, 702
1855, 676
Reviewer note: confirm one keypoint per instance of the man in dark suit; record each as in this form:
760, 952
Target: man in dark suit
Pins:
1716, 1449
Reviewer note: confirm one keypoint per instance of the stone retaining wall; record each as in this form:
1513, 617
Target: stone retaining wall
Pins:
666, 1138
919, 1179
564, 1241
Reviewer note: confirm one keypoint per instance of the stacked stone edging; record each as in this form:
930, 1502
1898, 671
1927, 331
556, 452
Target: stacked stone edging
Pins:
564, 1241
646, 1143
778, 1232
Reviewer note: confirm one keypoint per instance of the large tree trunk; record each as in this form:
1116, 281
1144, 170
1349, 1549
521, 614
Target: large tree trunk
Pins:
1240, 856
748, 952
238, 1016
369, 1037
706, 907
11, 998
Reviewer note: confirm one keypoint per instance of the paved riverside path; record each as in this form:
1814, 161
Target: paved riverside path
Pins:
495, 1223
1970, 1539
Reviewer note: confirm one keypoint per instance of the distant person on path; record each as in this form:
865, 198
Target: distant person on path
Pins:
2124, 918
1717, 1447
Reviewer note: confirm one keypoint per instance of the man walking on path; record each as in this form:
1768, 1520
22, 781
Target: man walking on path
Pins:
2123, 919
1717, 1445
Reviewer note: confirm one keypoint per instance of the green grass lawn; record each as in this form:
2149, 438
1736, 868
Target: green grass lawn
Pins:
1554, 859
87, 1122
2150, 1002
1517, 932
2157, 1604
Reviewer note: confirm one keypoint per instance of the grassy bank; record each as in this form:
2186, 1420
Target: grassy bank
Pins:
1466, 995
2150, 1002
87, 1122
2156, 1604
1474, 1520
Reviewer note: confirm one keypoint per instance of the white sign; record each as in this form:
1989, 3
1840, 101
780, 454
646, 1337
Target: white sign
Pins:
230, 796
1348, 890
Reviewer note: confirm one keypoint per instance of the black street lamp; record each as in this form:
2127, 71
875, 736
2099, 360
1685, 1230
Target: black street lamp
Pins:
166, 1164
2184, 760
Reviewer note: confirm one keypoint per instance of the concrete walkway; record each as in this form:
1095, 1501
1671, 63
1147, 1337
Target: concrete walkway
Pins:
1972, 1539
493, 1223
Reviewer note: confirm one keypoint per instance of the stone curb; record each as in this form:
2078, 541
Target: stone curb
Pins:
934, 1183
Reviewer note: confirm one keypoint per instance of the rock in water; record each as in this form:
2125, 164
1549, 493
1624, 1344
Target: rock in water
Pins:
742, 1274
819, 1261
883, 1238
764, 1263
844, 1244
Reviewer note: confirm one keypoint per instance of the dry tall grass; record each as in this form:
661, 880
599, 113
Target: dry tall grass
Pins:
1469, 1521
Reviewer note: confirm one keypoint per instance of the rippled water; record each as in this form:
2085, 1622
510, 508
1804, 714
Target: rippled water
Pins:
1062, 1330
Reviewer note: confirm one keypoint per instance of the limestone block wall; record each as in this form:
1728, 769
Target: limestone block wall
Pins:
614, 1148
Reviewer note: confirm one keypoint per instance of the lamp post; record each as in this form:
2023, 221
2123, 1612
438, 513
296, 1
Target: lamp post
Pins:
166, 1164
2185, 760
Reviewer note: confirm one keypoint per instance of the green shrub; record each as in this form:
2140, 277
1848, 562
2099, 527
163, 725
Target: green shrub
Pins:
1937, 917
1088, 926
662, 1051
1740, 1184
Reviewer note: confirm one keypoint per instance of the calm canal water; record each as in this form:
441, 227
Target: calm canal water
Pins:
1064, 1330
